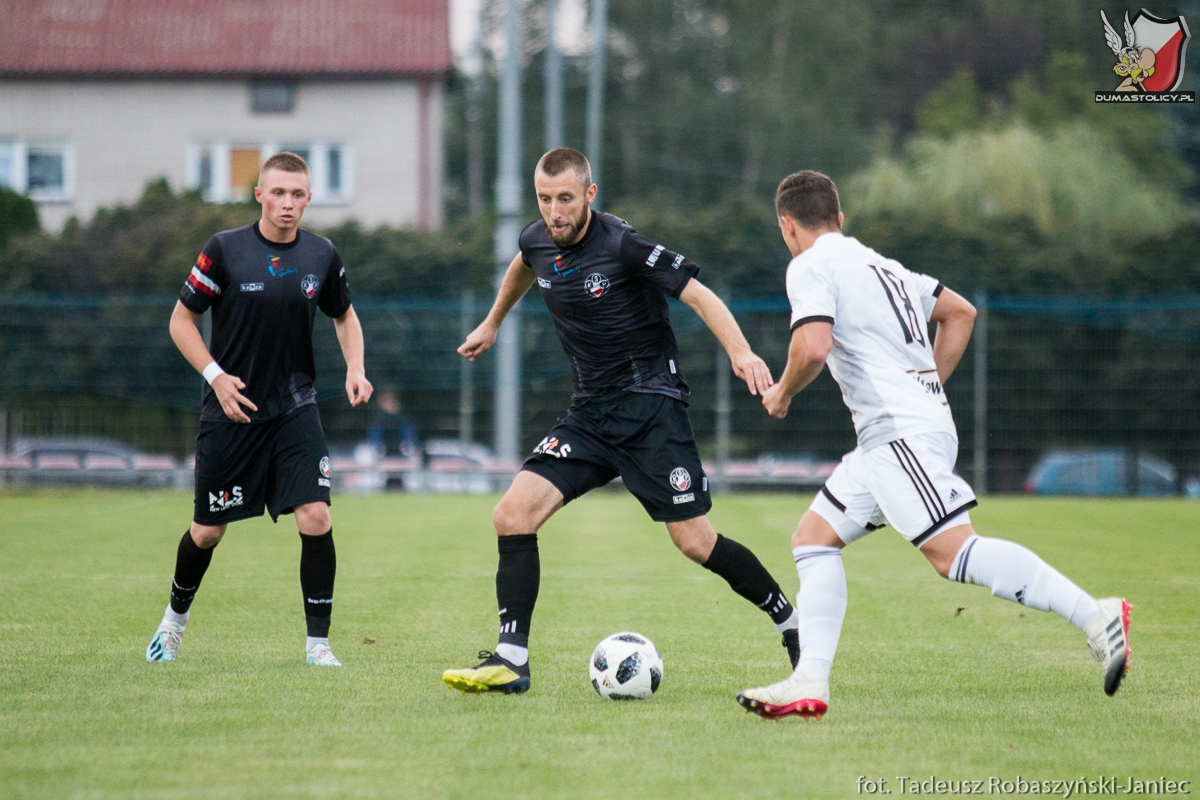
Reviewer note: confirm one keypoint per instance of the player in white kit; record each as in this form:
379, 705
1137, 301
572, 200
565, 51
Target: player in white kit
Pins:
868, 317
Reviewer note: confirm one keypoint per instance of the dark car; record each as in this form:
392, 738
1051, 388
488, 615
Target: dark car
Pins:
1101, 473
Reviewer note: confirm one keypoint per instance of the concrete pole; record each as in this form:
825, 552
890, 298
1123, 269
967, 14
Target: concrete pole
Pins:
466, 389
595, 99
554, 81
507, 416
981, 393
722, 411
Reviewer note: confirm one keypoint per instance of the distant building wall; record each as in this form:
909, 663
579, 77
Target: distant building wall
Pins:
375, 146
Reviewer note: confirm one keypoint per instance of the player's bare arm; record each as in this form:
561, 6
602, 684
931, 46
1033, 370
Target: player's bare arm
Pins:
227, 387
807, 352
350, 337
717, 316
516, 283
955, 318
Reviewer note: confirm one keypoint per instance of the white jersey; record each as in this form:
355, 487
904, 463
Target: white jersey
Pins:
882, 356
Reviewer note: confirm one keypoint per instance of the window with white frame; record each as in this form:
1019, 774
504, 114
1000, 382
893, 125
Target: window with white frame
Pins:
44, 171
226, 171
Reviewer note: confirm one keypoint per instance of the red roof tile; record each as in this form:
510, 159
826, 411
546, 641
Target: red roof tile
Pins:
224, 37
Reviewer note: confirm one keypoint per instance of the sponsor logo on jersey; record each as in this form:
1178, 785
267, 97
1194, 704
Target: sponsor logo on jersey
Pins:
309, 286
681, 481
678, 260
1149, 62
560, 271
683, 498
596, 284
253, 287
542, 282
203, 262
552, 447
223, 500
654, 254
276, 269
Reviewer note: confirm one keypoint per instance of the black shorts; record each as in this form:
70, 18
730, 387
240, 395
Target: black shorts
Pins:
647, 439
280, 464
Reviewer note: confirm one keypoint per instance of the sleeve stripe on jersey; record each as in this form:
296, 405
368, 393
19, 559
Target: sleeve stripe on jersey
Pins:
937, 291
814, 318
203, 283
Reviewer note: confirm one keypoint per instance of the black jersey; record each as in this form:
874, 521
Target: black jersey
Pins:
264, 298
607, 295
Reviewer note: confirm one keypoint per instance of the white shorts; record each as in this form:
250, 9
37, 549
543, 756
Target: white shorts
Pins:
909, 484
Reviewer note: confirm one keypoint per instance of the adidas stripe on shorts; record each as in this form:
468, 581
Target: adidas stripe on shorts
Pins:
909, 484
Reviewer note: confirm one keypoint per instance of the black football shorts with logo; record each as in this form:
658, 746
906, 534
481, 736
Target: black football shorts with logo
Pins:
243, 468
647, 439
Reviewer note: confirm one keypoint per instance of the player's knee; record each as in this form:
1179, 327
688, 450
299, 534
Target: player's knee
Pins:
509, 518
207, 536
312, 519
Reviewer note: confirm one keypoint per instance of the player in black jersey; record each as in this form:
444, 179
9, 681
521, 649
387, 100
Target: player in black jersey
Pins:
606, 287
261, 444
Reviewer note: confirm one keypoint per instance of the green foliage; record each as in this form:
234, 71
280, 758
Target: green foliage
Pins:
956, 106
18, 215
146, 247
918, 689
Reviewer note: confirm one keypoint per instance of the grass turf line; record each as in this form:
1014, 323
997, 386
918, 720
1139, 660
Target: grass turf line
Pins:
917, 690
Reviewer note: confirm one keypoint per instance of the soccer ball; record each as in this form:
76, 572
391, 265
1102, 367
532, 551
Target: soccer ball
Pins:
626, 666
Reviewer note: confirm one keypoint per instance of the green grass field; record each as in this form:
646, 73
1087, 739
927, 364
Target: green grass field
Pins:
918, 689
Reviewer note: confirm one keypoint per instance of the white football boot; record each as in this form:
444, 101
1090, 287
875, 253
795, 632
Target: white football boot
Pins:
322, 656
165, 643
1108, 639
796, 696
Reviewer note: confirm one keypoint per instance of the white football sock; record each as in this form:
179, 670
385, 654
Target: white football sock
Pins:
179, 619
309, 641
1018, 574
513, 653
821, 605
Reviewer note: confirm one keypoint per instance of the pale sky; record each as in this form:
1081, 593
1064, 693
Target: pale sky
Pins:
464, 23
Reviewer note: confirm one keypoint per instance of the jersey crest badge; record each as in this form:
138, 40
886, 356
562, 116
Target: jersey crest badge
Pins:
596, 284
309, 286
680, 479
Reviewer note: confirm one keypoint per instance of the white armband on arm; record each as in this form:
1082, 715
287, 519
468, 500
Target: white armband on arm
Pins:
212, 371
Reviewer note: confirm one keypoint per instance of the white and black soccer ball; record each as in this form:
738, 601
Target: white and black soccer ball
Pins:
626, 666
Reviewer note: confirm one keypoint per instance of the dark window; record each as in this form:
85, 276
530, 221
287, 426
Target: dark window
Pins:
206, 178
45, 170
272, 97
335, 170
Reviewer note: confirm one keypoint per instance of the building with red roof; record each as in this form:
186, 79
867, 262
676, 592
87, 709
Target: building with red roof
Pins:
97, 97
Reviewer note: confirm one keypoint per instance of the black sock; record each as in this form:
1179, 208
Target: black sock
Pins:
318, 565
749, 578
191, 562
517, 581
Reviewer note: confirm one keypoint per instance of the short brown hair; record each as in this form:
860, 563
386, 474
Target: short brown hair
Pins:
810, 198
562, 158
285, 161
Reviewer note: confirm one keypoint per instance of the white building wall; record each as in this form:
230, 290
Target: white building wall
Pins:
123, 133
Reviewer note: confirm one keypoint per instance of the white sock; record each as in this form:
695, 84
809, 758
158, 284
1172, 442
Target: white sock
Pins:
179, 619
1018, 574
821, 606
309, 641
789, 624
513, 653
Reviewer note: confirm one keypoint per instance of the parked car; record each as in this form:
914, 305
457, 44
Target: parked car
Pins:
85, 460
1103, 473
